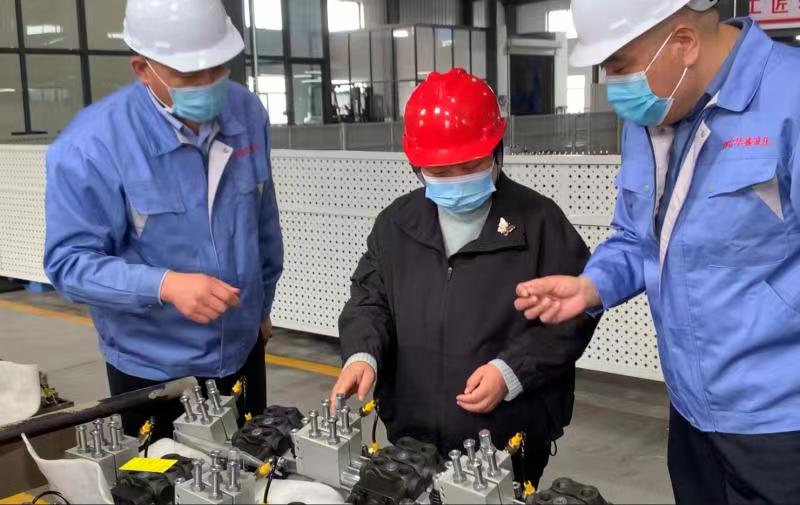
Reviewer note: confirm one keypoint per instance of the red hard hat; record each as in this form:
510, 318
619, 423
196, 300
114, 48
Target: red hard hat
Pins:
451, 118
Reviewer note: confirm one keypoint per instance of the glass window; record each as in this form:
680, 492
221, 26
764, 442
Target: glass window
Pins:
108, 74
12, 118
305, 18
404, 53
269, 27
404, 90
49, 24
382, 101
444, 49
8, 24
576, 94
479, 13
55, 90
344, 16
307, 81
479, 54
424, 52
271, 91
382, 56
461, 49
359, 57
359, 102
104, 24
560, 21
343, 105
340, 63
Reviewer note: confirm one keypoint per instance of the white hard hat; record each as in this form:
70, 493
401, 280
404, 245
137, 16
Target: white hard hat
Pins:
187, 35
606, 26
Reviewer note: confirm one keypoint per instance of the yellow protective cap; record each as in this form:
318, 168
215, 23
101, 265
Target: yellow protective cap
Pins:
248, 416
528, 489
146, 428
264, 470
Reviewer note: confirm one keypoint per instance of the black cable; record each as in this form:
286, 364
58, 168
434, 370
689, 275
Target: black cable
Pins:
149, 435
375, 422
273, 463
50, 493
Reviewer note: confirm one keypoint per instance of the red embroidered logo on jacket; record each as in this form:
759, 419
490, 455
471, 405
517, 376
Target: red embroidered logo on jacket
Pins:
245, 151
747, 142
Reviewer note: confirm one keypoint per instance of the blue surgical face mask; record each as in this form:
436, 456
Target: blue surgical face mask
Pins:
461, 194
197, 103
634, 100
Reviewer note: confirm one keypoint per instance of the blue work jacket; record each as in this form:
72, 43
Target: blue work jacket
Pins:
723, 277
128, 198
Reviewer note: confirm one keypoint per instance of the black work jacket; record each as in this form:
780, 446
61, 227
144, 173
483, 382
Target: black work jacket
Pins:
431, 321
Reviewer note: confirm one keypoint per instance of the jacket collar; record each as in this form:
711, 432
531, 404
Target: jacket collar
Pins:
748, 68
419, 218
160, 136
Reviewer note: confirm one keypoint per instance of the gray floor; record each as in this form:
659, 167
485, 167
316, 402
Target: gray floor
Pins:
617, 440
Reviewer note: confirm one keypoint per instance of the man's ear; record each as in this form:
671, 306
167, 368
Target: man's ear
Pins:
139, 66
688, 38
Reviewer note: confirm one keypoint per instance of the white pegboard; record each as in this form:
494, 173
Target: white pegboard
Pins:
22, 176
328, 202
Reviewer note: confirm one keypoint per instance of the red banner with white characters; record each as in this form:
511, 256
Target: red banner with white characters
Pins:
773, 14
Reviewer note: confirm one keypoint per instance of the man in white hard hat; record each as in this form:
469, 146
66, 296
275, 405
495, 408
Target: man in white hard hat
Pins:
161, 212
708, 224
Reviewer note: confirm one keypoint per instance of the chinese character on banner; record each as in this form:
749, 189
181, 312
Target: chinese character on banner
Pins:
757, 141
748, 142
755, 6
780, 6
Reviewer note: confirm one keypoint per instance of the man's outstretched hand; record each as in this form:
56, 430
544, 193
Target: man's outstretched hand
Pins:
557, 298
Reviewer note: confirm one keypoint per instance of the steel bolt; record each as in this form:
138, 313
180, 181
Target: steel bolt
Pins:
491, 457
234, 460
197, 475
98, 445
83, 444
458, 471
187, 407
480, 481
333, 436
313, 431
469, 446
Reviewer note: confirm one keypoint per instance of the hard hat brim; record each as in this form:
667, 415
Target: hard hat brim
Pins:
424, 157
224, 51
584, 55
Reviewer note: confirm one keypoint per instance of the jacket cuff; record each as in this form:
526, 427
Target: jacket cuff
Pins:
605, 288
513, 384
148, 286
363, 357
269, 298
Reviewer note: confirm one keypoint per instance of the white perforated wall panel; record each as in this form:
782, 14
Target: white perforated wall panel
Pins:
22, 178
328, 201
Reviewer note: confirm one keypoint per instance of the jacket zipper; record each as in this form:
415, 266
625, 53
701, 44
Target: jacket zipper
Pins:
440, 375
206, 161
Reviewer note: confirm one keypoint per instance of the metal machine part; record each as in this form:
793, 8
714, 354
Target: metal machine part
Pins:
482, 479
109, 455
135, 488
269, 434
397, 473
469, 446
566, 491
202, 426
225, 482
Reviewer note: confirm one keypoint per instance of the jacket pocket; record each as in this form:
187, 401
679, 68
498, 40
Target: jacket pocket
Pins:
159, 219
636, 193
742, 215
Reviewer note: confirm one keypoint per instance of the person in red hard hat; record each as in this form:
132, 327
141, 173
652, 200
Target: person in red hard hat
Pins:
431, 314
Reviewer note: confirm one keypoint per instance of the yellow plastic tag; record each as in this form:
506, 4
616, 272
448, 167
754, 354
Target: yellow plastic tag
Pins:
150, 465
